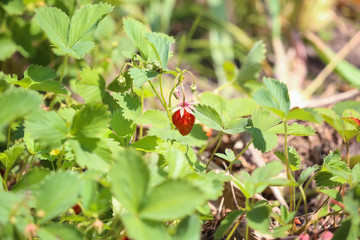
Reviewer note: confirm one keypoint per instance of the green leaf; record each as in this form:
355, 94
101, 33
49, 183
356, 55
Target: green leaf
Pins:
92, 153
334, 164
67, 36
346, 130
57, 193
86, 19
129, 179
171, 200
7, 47
258, 219
211, 184
142, 229
274, 96
141, 76
79, 49
147, 144
41, 78
333, 193
136, 31
236, 125
356, 173
47, 127
17, 103
258, 117
189, 228
286, 217
90, 122
31, 179
10, 204
55, 23
155, 118
239, 107
130, 104
294, 158
177, 163
340, 107
229, 155
161, 44
251, 68
121, 126
208, 116
14, 7
9, 157
197, 136
294, 129
263, 140
347, 230
226, 223
304, 114
55, 231
67, 114
333, 172
229, 109
306, 173
90, 86
260, 179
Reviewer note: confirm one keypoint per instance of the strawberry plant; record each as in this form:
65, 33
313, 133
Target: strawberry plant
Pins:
93, 149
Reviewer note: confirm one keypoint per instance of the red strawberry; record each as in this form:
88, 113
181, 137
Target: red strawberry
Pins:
184, 120
77, 209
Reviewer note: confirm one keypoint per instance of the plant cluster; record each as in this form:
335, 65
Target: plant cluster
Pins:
108, 166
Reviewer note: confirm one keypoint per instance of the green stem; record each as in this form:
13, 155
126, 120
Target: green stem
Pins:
31, 161
288, 172
304, 189
163, 104
142, 109
216, 148
305, 203
6, 177
161, 90
177, 82
237, 156
52, 103
61, 156
4, 184
23, 167
208, 144
234, 228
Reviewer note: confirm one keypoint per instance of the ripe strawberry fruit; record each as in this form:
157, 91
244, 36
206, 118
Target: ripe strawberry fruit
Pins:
183, 120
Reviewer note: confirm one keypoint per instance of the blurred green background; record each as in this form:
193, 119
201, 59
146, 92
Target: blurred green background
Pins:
213, 38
